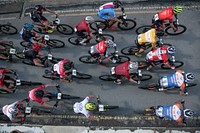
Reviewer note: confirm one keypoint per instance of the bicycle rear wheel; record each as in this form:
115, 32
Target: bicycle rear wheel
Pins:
65, 29
26, 44
7, 45
20, 55
101, 24
151, 86
75, 40
39, 30
8, 29
50, 76
181, 29
105, 37
127, 25
28, 62
88, 59
3, 91
121, 59
177, 64
108, 77
142, 64
82, 76
55, 43
143, 29
130, 50
143, 78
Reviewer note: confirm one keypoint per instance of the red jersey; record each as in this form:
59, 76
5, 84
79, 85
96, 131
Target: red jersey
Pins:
166, 14
59, 68
123, 70
101, 47
159, 54
2, 71
83, 26
31, 95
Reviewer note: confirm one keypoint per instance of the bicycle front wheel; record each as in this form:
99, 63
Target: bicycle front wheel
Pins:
177, 64
108, 77
65, 29
142, 64
105, 37
152, 86
8, 29
181, 29
25, 44
88, 59
143, 29
75, 40
20, 55
82, 76
191, 84
127, 25
54, 43
101, 24
143, 78
122, 59
130, 50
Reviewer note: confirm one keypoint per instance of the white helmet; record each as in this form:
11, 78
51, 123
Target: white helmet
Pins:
110, 43
133, 65
13, 110
189, 76
89, 19
188, 113
76, 107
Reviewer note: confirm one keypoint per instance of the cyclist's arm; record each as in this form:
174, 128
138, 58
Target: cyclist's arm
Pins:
6, 88
8, 70
92, 35
48, 85
47, 105
132, 81
48, 10
17, 120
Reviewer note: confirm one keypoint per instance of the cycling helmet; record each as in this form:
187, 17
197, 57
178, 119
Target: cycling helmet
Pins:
68, 65
117, 3
39, 93
110, 43
89, 19
13, 110
39, 7
171, 50
159, 33
133, 65
178, 9
90, 106
28, 26
189, 76
76, 107
1, 75
37, 47
188, 113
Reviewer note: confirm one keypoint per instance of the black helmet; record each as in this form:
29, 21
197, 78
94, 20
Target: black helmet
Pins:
39, 7
39, 93
68, 65
159, 33
117, 3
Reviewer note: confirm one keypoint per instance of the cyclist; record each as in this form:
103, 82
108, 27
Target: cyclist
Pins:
124, 70
107, 12
37, 16
12, 111
167, 14
6, 85
63, 69
147, 37
160, 55
38, 95
101, 50
80, 107
177, 79
175, 112
83, 26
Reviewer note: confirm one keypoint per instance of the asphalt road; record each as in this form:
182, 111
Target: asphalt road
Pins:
130, 99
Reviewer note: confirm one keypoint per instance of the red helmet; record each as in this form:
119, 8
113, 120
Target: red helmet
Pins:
36, 47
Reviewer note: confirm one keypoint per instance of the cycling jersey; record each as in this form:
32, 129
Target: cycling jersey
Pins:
59, 68
166, 14
147, 37
173, 112
27, 35
31, 95
2, 71
6, 112
106, 10
82, 109
30, 54
99, 48
36, 16
159, 54
83, 27
123, 69
174, 80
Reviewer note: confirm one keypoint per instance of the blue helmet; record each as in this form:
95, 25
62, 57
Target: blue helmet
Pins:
28, 26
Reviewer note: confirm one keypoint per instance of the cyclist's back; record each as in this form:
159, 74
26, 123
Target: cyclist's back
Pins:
148, 37
166, 14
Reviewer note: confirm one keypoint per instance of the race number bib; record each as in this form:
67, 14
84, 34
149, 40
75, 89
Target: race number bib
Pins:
156, 17
164, 82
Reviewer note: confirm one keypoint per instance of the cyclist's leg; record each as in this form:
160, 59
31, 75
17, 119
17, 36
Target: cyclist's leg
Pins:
9, 85
83, 36
38, 62
118, 79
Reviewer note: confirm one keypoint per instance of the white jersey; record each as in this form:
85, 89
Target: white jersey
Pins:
7, 113
82, 108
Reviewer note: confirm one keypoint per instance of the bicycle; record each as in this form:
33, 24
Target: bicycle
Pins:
127, 24
115, 57
8, 29
50, 74
75, 40
53, 43
18, 82
137, 76
169, 30
131, 50
61, 28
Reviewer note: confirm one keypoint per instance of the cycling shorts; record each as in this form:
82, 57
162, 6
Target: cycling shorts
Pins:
7, 78
81, 34
104, 13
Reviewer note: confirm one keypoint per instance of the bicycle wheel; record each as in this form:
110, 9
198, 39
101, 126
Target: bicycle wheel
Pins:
39, 30
122, 59
144, 77
82, 76
26, 44
130, 50
191, 84
181, 29
65, 29
30, 83
50, 76
101, 24
3, 91
88, 59
142, 64
108, 77
127, 25
65, 96
105, 37
20, 55
7, 45
110, 107
177, 64
55, 43
152, 86
75, 40
8, 29
28, 62
143, 29
55, 60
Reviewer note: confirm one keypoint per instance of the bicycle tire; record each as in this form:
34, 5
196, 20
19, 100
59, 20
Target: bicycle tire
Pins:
30, 83
105, 37
8, 29
191, 84
65, 29
122, 59
88, 59
39, 30
110, 107
20, 55
108, 77
55, 60
28, 62
142, 64
151, 86
3, 91
75, 40
26, 44
65, 96
130, 50
143, 29
50, 76
181, 29
102, 25
177, 64
55, 43
143, 78
82, 76
7, 45
130, 24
